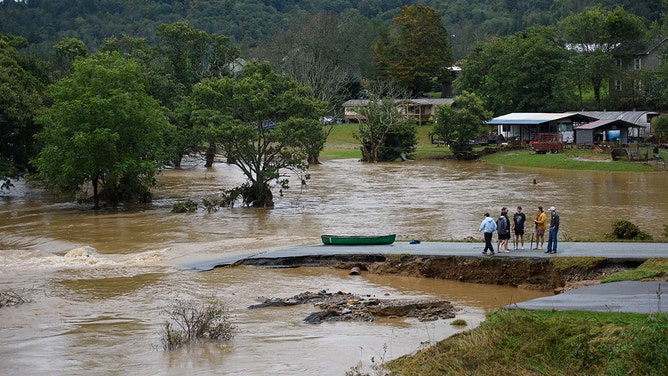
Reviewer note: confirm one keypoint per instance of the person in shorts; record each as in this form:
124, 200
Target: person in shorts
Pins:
503, 231
519, 219
541, 226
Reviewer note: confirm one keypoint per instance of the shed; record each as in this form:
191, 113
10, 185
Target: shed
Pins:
604, 130
642, 119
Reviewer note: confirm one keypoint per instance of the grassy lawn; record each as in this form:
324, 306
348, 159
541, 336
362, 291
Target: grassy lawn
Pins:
342, 144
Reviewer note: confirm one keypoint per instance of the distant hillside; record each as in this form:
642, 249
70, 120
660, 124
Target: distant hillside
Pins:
249, 22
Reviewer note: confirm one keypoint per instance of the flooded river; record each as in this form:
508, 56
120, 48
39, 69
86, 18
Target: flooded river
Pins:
102, 314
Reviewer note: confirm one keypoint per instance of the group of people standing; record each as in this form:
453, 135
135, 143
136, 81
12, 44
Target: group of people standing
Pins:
504, 227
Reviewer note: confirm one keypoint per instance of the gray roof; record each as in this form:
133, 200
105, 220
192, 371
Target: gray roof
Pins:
426, 101
634, 117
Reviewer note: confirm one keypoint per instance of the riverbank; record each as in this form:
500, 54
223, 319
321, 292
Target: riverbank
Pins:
524, 341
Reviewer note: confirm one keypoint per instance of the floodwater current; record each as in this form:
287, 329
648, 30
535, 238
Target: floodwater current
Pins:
101, 313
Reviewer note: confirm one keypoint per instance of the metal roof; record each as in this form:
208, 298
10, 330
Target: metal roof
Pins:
602, 122
425, 101
635, 117
528, 118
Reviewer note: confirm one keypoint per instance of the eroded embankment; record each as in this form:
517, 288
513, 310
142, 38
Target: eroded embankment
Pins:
524, 272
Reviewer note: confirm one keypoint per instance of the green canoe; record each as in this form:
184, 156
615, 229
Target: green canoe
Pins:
358, 240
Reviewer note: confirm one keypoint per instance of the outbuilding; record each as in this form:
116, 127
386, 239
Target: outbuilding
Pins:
608, 130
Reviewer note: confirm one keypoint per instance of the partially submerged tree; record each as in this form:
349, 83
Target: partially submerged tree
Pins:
103, 130
20, 100
262, 120
456, 125
383, 131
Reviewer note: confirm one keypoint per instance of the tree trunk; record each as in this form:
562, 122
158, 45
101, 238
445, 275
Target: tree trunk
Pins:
96, 198
210, 154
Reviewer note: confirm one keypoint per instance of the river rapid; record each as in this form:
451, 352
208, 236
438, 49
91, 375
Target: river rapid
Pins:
101, 312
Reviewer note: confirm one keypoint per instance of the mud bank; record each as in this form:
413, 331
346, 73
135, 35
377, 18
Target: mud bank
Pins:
522, 272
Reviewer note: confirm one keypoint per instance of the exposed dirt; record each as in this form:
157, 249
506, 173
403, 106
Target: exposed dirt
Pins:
528, 273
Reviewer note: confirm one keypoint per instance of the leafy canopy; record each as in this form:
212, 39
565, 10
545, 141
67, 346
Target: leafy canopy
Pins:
103, 130
416, 51
456, 125
262, 122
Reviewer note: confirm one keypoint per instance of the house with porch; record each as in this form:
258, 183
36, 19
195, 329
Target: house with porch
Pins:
422, 110
571, 127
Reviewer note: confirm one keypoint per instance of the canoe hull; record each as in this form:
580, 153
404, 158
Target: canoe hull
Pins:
358, 240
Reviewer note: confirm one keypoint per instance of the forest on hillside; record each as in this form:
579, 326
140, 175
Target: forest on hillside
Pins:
252, 24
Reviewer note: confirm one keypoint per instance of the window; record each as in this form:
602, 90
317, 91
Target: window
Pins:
620, 64
637, 63
637, 85
618, 85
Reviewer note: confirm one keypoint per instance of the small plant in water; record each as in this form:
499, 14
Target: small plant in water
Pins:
184, 207
190, 321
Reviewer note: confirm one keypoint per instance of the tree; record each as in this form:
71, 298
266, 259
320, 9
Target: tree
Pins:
416, 50
193, 55
22, 96
65, 53
596, 33
384, 133
522, 72
103, 131
456, 125
262, 122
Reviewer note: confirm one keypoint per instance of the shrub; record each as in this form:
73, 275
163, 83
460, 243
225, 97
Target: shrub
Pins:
189, 322
625, 230
184, 207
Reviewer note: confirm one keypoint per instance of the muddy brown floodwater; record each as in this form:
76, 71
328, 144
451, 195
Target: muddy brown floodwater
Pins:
101, 313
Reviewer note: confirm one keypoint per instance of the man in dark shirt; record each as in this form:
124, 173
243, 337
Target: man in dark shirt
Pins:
518, 226
554, 229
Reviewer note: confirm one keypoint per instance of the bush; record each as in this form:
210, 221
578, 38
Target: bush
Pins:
190, 322
625, 230
184, 207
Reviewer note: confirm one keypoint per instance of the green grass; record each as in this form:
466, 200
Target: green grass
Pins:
572, 159
342, 144
519, 342
650, 269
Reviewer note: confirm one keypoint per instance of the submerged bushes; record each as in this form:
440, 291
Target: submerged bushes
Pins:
190, 322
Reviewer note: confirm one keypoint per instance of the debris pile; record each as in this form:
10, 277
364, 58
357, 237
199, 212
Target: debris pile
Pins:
342, 306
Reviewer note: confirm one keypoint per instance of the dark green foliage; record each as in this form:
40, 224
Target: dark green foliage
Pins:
625, 230
184, 207
21, 99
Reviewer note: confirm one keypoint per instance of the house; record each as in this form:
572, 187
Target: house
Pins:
573, 127
528, 126
626, 82
421, 110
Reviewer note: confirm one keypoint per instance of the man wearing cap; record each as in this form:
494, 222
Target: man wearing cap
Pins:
552, 234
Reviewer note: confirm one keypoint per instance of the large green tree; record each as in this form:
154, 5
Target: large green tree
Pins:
456, 125
522, 72
263, 122
595, 33
416, 51
21, 98
103, 132
193, 55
